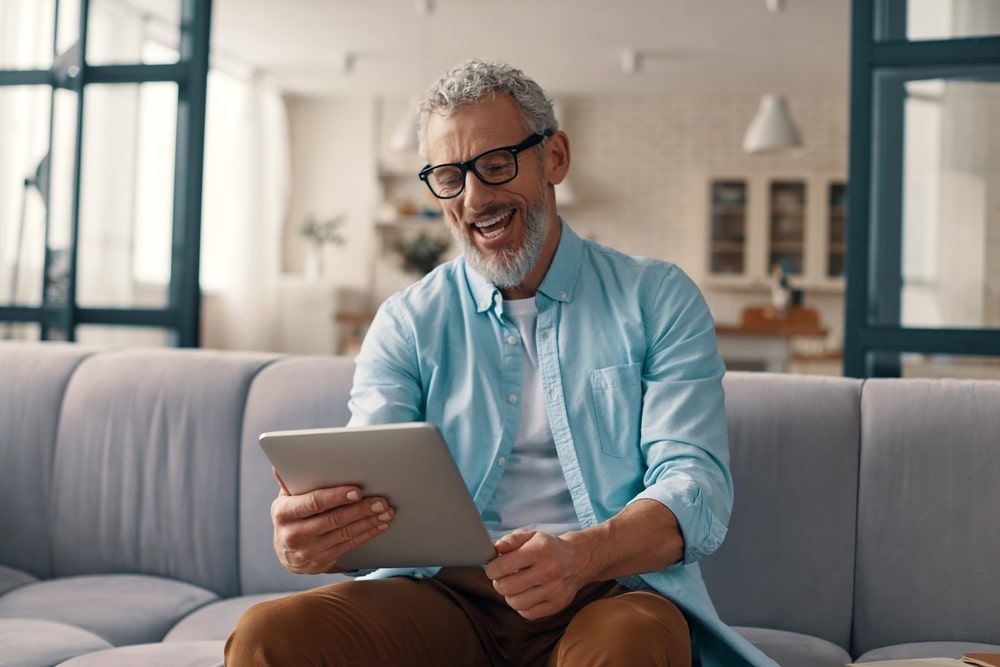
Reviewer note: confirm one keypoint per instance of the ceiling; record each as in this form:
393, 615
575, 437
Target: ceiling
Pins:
568, 46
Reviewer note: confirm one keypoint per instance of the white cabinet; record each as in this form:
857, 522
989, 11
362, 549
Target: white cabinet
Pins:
758, 220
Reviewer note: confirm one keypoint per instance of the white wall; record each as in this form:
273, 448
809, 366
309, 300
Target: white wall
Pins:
640, 168
333, 172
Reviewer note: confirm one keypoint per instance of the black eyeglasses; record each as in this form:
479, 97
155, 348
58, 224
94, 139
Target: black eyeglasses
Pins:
494, 167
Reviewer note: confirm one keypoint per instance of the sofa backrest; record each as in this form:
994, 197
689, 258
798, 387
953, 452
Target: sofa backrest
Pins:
144, 475
302, 392
928, 561
33, 380
787, 562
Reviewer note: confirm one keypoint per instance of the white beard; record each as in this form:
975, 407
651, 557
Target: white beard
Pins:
509, 267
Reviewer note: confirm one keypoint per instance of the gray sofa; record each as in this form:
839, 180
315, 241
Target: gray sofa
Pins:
135, 525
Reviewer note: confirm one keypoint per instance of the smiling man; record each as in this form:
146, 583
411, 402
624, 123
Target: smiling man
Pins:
579, 391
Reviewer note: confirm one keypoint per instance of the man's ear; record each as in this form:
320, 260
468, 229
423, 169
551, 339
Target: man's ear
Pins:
556, 158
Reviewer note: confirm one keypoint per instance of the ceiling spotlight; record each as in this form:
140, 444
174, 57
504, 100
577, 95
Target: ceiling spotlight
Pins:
424, 7
348, 61
775, 6
630, 61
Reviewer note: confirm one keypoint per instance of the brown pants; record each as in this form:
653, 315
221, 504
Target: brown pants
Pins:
457, 618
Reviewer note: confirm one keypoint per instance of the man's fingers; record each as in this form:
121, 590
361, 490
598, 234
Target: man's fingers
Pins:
281, 483
508, 564
337, 525
517, 583
337, 552
316, 502
527, 599
513, 541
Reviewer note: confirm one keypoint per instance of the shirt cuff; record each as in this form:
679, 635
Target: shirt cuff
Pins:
703, 533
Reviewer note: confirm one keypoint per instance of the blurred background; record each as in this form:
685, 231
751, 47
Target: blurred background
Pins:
241, 174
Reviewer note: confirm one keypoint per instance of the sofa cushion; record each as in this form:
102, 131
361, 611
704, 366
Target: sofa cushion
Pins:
792, 649
145, 466
123, 609
217, 619
787, 561
928, 525
11, 579
32, 385
293, 393
31, 642
927, 650
174, 654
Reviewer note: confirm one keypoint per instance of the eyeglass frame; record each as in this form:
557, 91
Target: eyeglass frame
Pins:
470, 165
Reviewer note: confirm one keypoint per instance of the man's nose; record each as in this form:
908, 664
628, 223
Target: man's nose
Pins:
478, 195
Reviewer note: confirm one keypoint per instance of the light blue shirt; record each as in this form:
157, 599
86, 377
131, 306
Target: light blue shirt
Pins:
632, 383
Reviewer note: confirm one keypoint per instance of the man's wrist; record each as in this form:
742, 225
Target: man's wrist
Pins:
589, 552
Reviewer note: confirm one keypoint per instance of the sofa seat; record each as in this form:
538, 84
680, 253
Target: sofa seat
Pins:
792, 649
217, 619
927, 650
11, 579
159, 654
31, 642
122, 608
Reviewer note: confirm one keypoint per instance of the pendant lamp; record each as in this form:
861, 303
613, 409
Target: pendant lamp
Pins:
772, 128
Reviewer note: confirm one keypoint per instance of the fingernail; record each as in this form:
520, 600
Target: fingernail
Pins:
353, 496
384, 516
378, 507
383, 526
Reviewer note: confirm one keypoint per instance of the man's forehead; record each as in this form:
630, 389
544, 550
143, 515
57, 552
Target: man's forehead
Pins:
472, 129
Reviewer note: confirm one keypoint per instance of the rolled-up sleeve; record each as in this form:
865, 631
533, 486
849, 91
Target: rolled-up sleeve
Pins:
386, 388
684, 437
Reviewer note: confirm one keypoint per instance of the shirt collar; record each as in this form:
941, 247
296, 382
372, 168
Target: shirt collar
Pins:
558, 284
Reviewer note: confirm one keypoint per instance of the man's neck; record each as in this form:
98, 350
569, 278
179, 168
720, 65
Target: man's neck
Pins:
529, 286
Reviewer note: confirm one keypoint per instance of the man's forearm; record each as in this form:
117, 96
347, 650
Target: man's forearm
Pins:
643, 537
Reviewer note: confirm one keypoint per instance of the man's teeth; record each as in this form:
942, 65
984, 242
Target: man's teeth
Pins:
491, 221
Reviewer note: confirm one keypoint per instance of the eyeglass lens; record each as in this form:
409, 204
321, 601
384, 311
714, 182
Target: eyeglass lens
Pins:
494, 168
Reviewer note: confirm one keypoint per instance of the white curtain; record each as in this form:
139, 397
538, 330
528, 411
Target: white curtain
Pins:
247, 174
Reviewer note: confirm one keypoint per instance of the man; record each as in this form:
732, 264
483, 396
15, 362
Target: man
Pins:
579, 391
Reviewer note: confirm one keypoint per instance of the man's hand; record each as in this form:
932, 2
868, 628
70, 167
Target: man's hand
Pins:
314, 530
537, 573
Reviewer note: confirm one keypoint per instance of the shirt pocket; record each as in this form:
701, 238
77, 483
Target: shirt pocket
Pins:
617, 396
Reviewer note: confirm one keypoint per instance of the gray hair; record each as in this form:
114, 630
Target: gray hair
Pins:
476, 80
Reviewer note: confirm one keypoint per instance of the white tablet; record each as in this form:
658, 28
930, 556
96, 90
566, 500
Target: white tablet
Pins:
436, 521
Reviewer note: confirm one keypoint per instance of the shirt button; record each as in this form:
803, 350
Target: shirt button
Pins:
512, 340
418, 575
501, 461
512, 399
563, 295
543, 334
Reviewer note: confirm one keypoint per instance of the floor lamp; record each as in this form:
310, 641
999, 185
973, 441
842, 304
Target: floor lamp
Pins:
39, 182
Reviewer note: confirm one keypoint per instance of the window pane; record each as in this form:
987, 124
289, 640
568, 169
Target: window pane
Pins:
22, 331
950, 366
938, 19
24, 140
66, 105
99, 334
126, 198
136, 31
26, 29
951, 204
68, 28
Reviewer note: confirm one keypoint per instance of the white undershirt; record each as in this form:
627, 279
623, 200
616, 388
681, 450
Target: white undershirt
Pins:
532, 492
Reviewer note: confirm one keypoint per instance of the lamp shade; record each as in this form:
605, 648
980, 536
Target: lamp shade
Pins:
404, 137
772, 128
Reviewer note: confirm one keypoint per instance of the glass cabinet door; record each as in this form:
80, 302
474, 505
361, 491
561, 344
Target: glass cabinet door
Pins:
729, 225
787, 217
836, 229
